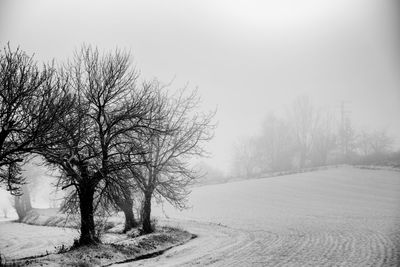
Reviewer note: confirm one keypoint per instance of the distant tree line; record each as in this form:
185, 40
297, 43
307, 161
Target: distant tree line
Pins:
113, 139
309, 137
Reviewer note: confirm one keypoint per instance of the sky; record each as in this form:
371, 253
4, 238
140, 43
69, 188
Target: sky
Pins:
247, 58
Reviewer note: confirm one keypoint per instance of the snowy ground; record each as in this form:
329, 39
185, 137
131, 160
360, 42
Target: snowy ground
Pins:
19, 240
337, 217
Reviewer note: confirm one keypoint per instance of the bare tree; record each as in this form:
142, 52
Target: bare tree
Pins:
165, 172
272, 150
22, 203
249, 157
120, 193
323, 140
364, 144
304, 120
347, 140
380, 142
107, 106
31, 99
120, 197
375, 147
33, 178
277, 144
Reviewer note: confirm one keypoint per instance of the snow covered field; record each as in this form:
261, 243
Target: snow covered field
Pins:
18, 240
337, 217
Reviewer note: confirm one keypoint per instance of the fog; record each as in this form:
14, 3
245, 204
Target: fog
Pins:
247, 58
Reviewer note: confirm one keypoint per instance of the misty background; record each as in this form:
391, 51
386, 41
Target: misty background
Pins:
247, 58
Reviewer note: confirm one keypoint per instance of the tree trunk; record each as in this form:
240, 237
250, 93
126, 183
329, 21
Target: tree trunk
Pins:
130, 221
88, 233
146, 213
125, 203
23, 203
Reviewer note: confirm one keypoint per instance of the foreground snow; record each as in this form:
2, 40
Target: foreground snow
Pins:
22, 244
18, 240
337, 217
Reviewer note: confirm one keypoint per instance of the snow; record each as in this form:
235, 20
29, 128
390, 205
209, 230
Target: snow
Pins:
342, 216
123, 250
19, 240
337, 217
